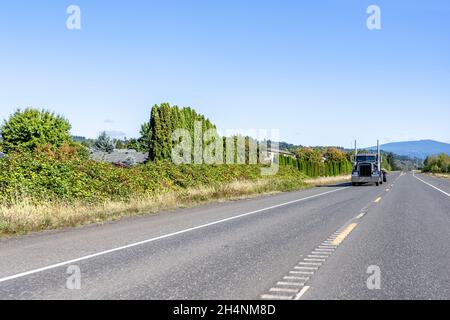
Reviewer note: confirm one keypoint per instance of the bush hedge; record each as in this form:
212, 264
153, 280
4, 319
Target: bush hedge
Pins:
41, 176
315, 169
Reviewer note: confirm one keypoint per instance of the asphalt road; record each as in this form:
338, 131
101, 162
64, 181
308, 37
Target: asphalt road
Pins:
311, 244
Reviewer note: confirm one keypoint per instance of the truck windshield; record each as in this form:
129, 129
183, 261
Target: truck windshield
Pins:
366, 158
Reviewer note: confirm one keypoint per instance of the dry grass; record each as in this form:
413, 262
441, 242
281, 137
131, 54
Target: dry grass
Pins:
440, 175
327, 180
25, 217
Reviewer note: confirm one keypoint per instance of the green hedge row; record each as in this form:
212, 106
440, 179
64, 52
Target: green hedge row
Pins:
318, 169
38, 177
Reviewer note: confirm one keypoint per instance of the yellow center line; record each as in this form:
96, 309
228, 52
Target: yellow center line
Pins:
344, 234
378, 200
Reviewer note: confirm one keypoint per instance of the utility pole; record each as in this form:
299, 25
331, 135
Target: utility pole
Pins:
379, 155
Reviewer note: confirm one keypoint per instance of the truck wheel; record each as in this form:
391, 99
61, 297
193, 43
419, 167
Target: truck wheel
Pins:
354, 184
377, 184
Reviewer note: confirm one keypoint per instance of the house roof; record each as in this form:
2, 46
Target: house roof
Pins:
2, 154
279, 151
119, 156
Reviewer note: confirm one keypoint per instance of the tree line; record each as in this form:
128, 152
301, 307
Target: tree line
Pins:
437, 164
29, 129
315, 162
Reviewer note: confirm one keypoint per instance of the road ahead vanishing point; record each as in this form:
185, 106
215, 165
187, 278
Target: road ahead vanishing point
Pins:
334, 242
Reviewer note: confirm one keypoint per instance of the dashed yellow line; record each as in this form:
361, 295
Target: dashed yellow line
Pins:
344, 234
378, 200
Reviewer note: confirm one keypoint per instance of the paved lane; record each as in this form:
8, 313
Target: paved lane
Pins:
407, 236
238, 258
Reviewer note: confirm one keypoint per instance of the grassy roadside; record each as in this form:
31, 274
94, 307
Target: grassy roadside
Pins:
327, 180
439, 175
27, 216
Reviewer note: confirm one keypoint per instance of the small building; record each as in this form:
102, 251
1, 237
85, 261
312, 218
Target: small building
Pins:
120, 157
2, 155
273, 153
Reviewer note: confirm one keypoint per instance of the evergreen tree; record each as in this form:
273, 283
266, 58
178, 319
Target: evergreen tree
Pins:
104, 143
165, 119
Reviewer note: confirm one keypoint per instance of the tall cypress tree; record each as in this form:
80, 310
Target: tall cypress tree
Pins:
155, 133
165, 119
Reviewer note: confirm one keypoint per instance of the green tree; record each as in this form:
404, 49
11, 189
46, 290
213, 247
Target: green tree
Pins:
28, 129
437, 164
155, 134
334, 154
309, 154
164, 120
104, 143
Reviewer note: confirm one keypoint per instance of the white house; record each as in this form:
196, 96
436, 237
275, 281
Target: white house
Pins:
273, 153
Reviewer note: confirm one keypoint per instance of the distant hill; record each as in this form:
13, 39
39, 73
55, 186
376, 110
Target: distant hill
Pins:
78, 138
416, 149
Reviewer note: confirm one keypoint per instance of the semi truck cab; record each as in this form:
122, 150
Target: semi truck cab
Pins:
367, 168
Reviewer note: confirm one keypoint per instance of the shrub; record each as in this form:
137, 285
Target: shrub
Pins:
437, 164
47, 175
28, 129
104, 143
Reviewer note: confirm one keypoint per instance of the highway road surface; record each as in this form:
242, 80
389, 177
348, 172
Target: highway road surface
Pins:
334, 242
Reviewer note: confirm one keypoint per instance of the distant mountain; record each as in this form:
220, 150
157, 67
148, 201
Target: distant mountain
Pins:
78, 138
416, 149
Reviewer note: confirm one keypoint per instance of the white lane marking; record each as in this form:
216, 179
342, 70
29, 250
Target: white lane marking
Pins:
306, 268
325, 250
360, 215
308, 273
87, 257
284, 290
301, 293
316, 256
447, 194
314, 260
273, 297
322, 253
296, 278
310, 264
293, 284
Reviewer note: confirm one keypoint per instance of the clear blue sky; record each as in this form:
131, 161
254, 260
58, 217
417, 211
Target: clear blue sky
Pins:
311, 69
